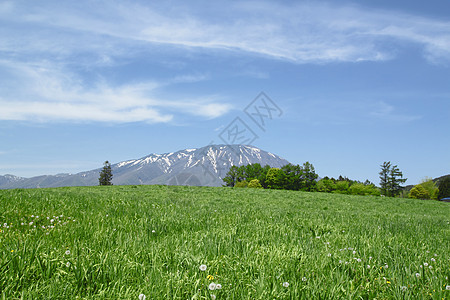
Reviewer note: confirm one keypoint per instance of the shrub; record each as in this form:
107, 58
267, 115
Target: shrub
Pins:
241, 184
419, 192
254, 184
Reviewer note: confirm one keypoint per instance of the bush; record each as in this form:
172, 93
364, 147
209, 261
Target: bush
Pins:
241, 184
254, 184
430, 187
419, 192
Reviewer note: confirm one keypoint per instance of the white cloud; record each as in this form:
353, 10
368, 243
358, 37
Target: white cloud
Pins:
51, 94
46, 47
302, 32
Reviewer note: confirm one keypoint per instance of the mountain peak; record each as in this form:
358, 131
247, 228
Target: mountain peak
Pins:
204, 166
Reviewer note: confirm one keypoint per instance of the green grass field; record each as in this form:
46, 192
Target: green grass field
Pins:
122, 241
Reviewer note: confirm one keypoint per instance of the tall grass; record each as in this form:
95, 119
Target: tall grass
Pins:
121, 241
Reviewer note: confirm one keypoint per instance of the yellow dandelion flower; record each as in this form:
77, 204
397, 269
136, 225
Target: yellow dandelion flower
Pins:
388, 282
210, 277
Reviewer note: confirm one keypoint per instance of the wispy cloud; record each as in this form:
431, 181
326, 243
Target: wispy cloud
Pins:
46, 47
300, 32
44, 92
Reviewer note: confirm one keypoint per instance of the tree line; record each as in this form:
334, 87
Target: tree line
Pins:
288, 177
304, 178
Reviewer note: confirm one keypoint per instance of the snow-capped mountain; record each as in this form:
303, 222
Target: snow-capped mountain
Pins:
204, 166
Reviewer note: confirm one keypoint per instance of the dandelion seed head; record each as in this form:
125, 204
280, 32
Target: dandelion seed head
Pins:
141, 297
404, 288
67, 252
202, 267
425, 264
286, 284
68, 264
329, 254
218, 286
212, 286
213, 297
417, 275
432, 259
304, 279
447, 287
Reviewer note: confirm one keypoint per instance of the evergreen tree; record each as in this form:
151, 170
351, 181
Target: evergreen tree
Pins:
106, 174
444, 188
390, 179
384, 177
395, 179
310, 177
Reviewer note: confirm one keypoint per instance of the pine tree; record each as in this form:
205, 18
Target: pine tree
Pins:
395, 179
105, 174
384, 177
390, 179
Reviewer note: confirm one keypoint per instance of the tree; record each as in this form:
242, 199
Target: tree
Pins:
390, 179
326, 185
105, 174
274, 179
419, 192
294, 177
254, 183
309, 178
444, 188
384, 177
231, 178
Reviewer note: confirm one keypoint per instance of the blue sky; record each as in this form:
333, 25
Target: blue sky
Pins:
357, 82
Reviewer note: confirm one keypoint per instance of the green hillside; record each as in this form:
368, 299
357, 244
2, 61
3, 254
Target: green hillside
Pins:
121, 241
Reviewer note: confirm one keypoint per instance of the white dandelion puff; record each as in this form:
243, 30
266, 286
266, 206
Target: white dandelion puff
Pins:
329, 254
447, 287
68, 264
404, 288
202, 267
286, 284
304, 279
212, 286
368, 266
425, 264
417, 275
213, 297
432, 259
67, 252
386, 266
141, 297
218, 286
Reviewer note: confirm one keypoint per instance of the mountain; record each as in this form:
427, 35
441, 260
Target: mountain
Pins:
204, 166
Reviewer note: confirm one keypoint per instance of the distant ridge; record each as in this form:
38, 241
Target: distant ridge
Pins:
205, 166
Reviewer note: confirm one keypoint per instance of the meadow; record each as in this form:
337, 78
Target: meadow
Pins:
173, 242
